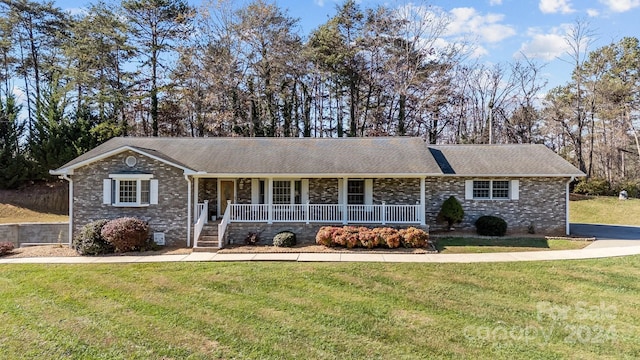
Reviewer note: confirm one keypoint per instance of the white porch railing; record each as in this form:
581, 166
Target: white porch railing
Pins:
222, 226
201, 218
333, 213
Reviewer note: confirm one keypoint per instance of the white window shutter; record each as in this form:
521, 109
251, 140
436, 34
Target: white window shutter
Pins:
304, 184
368, 191
106, 191
468, 189
515, 189
340, 195
255, 191
153, 191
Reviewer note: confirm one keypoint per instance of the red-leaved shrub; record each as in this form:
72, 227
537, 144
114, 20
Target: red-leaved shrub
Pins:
126, 234
388, 237
351, 236
414, 238
5, 248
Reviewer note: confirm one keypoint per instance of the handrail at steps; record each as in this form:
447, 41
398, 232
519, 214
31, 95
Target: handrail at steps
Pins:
202, 219
222, 227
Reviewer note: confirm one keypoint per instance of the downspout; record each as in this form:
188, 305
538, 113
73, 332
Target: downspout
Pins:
567, 227
66, 177
186, 177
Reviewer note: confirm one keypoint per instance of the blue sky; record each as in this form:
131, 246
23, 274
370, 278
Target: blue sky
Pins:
501, 29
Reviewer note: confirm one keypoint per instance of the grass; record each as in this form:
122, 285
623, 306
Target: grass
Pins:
535, 310
456, 245
16, 214
605, 210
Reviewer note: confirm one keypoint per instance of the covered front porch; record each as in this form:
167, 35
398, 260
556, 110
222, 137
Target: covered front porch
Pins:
372, 201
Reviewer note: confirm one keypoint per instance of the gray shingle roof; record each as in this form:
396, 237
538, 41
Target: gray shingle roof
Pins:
349, 156
501, 160
279, 156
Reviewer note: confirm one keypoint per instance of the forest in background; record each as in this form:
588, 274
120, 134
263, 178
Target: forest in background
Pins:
165, 68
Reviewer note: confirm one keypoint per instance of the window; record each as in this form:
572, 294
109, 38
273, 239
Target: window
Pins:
491, 189
130, 190
481, 189
355, 192
287, 192
500, 189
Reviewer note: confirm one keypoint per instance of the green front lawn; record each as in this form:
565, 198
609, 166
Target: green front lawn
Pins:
605, 210
542, 310
457, 245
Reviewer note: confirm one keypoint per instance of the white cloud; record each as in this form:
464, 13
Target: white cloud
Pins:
495, 2
556, 6
545, 46
621, 5
593, 12
467, 21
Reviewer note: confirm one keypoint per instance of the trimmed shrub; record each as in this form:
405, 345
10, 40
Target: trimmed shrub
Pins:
351, 236
414, 237
126, 234
5, 248
284, 239
491, 226
451, 211
323, 237
388, 237
631, 187
89, 240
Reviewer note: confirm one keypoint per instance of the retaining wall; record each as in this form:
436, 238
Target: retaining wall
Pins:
35, 233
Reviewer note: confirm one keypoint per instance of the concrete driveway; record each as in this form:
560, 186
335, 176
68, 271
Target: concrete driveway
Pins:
608, 235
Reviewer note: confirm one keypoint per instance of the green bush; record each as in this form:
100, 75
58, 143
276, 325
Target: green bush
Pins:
284, 239
89, 240
5, 248
127, 234
594, 187
632, 188
451, 211
491, 226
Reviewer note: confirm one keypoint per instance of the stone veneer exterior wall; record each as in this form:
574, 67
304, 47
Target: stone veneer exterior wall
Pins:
400, 191
323, 191
168, 216
542, 203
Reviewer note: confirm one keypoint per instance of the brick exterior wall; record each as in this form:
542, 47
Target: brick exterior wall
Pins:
542, 202
168, 216
396, 191
208, 190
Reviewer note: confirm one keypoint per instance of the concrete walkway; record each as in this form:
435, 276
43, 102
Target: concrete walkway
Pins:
587, 253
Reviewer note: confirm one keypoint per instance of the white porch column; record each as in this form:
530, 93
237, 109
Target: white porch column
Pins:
345, 200
195, 198
186, 177
270, 200
422, 201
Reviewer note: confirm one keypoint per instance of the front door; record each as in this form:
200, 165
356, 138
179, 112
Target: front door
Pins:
227, 188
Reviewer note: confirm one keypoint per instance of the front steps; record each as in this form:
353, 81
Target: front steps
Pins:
208, 241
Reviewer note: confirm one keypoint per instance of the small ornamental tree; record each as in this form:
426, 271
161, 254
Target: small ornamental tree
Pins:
451, 211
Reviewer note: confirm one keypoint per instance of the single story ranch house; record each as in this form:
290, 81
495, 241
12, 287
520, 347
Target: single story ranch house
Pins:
211, 191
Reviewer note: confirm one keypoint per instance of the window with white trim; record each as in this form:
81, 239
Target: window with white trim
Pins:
287, 192
491, 189
130, 190
355, 192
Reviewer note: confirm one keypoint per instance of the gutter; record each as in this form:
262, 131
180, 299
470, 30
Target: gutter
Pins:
66, 177
567, 226
186, 177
